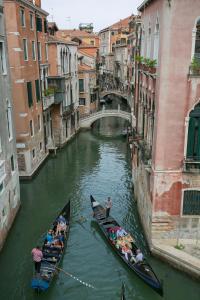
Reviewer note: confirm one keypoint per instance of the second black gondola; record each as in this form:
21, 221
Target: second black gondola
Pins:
142, 269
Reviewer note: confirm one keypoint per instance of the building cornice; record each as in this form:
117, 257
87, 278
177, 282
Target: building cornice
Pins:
30, 5
144, 5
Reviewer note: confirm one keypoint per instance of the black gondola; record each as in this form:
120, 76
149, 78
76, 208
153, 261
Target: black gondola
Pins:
142, 269
52, 255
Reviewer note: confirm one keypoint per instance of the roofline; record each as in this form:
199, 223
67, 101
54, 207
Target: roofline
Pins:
144, 3
62, 42
34, 7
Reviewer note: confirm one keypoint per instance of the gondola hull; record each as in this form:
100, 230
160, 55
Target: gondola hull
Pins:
143, 270
51, 258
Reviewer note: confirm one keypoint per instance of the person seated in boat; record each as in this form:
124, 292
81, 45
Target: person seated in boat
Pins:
129, 240
127, 252
59, 241
139, 256
61, 228
121, 232
120, 243
112, 235
61, 219
49, 237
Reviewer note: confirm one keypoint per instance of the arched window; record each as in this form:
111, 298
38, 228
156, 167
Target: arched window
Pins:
156, 41
197, 41
193, 143
148, 53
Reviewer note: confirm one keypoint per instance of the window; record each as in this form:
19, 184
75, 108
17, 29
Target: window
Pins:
81, 85
148, 53
29, 94
22, 17
81, 101
46, 52
33, 50
197, 41
31, 21
2, 174
9, 121
25, 48
191, 203
3, 68
39, 51
33, 153
0, 146
37, 90
156, 42
41, 146
31, 127
92, 43
193, 143
39, 122
12, 163
39, 24
45, 26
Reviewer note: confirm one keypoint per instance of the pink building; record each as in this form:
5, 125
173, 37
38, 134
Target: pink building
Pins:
166, 148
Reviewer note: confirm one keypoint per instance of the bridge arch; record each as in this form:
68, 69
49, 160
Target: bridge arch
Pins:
87, 121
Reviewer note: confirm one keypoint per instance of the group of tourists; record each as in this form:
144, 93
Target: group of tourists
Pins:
123, 241
54, 238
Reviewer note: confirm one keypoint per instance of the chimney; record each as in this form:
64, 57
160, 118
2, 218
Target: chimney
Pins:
37, 3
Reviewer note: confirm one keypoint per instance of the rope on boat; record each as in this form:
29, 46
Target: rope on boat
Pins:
72, 276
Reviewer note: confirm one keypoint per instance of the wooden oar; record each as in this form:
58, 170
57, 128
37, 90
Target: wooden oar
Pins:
72, 276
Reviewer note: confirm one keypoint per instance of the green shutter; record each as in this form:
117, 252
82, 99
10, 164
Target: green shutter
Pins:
39, 24
30, 95
45, 26
198, 140
190, 143
81, 85
37, 90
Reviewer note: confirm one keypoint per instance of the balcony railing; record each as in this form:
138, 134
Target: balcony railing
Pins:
67, 110
194, 71
48, 101
192, 165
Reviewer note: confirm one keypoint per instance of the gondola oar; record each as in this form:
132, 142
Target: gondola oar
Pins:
72, 276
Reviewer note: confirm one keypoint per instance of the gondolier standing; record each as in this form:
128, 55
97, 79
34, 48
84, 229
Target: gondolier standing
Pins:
37, 257
108, 206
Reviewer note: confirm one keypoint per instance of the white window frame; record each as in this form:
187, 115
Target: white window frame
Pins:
2, 174
46, 52
22, 17
33, 50
39, 51
3, 59
9, 121
31, 20
31, 127
25, 49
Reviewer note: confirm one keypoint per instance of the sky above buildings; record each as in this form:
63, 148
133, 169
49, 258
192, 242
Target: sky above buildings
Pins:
102, 13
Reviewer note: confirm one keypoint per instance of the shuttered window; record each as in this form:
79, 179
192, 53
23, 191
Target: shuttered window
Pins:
193, 144
81, 85
191, 203
45, 26
39, 24
37, 90
30, 94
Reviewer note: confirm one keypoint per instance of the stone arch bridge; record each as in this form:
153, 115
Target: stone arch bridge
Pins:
114, 92
87, 121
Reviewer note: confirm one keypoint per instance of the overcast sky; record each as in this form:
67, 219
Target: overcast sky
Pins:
102, 13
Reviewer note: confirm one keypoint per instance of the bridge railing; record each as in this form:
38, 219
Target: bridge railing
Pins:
103, 108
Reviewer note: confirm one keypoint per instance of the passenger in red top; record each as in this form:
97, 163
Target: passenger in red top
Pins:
37, 257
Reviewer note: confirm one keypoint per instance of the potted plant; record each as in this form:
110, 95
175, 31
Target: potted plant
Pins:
195, 66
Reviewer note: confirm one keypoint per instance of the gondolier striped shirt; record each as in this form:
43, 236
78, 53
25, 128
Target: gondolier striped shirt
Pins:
37, 255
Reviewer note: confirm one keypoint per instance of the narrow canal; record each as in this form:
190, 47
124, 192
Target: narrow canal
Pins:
91, 163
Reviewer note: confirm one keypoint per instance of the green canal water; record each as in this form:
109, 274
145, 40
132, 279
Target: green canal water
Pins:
91, 163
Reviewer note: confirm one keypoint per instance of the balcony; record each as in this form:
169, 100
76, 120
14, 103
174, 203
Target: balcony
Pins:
57, 83
48, 101
192, 165
194, 71
67, 110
